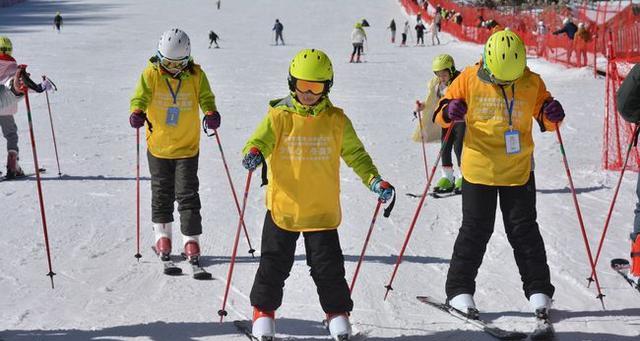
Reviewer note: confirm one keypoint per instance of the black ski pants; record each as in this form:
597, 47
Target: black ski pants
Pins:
324, 257
518, 206
419, 38
175, 180
454, 142
404, 39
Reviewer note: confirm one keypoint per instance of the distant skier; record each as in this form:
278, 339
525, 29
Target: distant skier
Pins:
405, 31
167, 96
302, 139
420, 28
358, 37
434, 33
278, 28
628, 97
444, 68
8, 70
218, 3
497, 160
213, 39
392, 27
57, 21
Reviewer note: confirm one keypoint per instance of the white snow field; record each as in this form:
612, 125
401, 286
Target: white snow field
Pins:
102, 292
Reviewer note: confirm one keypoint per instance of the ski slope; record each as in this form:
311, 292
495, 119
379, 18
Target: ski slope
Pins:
103, 293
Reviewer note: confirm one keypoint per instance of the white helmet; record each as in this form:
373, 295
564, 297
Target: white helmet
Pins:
565, 21
540, 23
174, 44
581, 25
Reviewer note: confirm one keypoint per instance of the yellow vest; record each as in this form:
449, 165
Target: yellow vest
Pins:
484, 157
304, 181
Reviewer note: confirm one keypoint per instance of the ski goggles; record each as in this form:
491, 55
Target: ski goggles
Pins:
316, 88
173, 65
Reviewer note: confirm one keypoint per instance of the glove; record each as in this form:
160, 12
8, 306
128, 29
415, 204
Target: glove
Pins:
382, 188
212, 119
253, 159
456, 109
552, 109
47, 85
137, 119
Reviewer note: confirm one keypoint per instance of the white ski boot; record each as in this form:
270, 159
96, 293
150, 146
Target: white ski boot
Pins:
339, 326
162, 234
540, 301
465, 304
264, 325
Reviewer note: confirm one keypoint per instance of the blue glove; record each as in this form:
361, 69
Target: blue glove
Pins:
253, 159
382, 188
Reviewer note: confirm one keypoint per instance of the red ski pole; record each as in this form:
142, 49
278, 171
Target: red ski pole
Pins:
418, 209
364, 247
222, 312
138, 255
233, 191
53, 133
575, 202
632, 142
25, 90
424, 151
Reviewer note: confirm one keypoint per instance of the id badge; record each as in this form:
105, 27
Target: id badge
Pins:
172, 116
512, 141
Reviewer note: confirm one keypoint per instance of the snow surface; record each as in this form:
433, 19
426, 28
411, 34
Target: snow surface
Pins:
103, 293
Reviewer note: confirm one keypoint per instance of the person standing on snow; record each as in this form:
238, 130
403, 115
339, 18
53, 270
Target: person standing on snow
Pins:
213, 39
358, 37
628, 98
8, 69
420, 28
444, 68
302, 139
167, 97
405, 31
499, 98
434, 33
278, 28
57, 21
392, 27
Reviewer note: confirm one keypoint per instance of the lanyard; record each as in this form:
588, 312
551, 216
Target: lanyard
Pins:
175, 94
509, 104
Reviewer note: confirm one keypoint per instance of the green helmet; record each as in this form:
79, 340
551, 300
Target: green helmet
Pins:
443, 62
504, 56
358, 25
5, 45
311, 65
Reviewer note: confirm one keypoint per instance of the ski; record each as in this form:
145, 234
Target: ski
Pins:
485, 326
197, 271
21, 177
622, 266
435, 195
169, 268
544, 328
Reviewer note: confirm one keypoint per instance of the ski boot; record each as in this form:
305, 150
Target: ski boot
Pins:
458, 186
465, 304
339, 326
634, 271
264, 325
541, 304
192, 255
444, 185
13, 168
162, 247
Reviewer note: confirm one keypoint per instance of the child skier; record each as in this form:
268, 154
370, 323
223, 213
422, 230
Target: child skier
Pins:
499, 98
57, 21
444, 68
167, 96
303, 138
8, 69
629, 107
358, 36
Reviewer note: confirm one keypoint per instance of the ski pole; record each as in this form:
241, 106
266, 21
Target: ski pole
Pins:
53, 133
233, 191
633, 141
364, 247
575, 202
424, 151
418, 209
138, 255
222, 312
25, 90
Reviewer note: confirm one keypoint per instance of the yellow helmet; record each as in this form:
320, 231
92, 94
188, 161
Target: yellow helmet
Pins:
5, 45
311, 65
504, 56
443, 62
